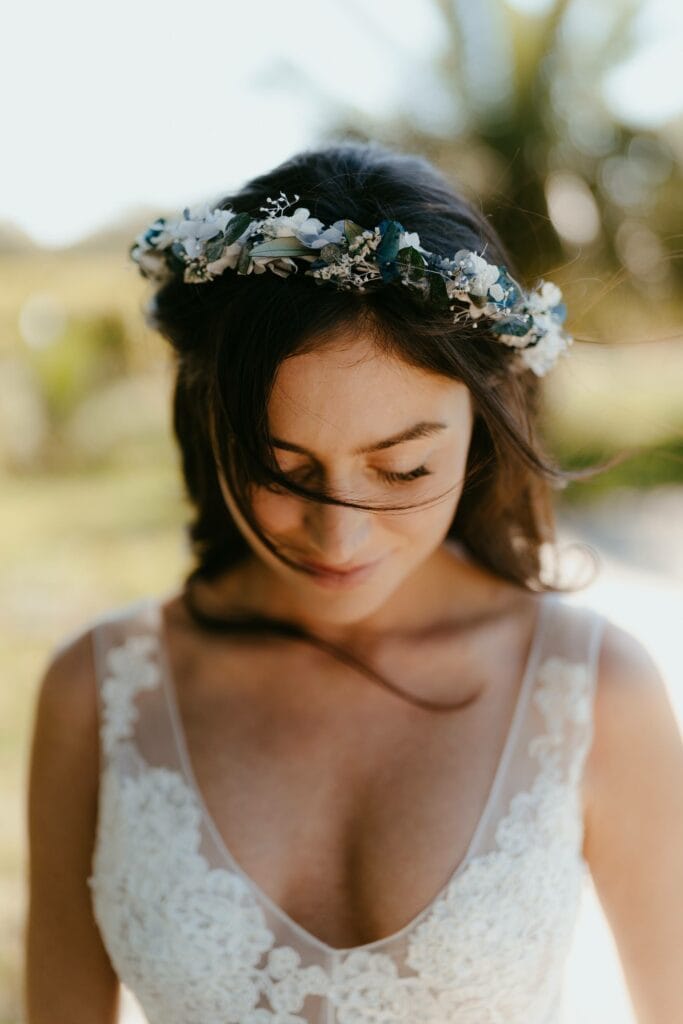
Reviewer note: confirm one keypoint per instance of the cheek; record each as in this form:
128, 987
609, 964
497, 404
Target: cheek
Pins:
421, 526
277, 513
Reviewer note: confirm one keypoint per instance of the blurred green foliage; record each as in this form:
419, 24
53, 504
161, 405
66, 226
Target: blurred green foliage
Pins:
517, 107
91, 351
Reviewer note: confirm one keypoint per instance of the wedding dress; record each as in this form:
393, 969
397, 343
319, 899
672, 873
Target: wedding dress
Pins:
198, 942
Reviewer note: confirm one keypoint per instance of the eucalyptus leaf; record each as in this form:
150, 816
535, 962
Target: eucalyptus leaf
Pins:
214, 249
236, 227
244, 261
285, 246
351, 230
412, 260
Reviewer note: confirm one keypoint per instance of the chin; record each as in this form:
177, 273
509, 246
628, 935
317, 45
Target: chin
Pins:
344, 605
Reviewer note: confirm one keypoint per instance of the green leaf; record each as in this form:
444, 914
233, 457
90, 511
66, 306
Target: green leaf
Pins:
284, 246
351, 230
236, 227
244, 261
437, 292
411, 260
213, 250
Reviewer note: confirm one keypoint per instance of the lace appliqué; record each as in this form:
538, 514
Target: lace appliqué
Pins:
193, 942
515, 906
130, 668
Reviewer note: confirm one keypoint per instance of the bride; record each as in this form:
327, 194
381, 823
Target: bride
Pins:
356, 767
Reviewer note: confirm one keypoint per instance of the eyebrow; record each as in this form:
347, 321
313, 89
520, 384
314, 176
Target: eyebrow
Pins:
426, 428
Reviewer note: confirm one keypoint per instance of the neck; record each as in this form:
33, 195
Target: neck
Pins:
445, 585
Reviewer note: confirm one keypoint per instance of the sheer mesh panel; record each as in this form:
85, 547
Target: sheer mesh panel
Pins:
198, 942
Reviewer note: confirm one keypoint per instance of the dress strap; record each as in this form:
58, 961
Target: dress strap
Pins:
574, 633
564, 697
542, 777
127, 671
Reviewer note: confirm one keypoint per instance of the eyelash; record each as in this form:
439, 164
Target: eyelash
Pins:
404, 477
399, 478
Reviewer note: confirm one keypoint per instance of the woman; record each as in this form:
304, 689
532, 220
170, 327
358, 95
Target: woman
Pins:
356, 768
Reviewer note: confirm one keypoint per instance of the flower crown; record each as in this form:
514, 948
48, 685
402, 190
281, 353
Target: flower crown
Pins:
205, 242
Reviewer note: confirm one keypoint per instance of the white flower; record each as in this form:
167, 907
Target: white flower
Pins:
310, 234
542, 357
480, 273
544, 298
300, 225
201, 225
409, 238
202, 213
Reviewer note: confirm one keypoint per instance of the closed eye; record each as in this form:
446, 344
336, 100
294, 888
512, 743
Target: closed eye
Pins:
391, 477
413, 474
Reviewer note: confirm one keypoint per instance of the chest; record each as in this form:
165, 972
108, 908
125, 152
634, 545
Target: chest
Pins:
349, 807
350, 815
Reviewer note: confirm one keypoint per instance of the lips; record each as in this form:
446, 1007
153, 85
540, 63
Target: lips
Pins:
348, 577
334, 570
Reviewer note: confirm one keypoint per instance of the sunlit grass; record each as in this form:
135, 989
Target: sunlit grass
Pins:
70, 546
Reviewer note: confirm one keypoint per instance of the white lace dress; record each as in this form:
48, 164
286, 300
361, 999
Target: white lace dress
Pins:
198, 942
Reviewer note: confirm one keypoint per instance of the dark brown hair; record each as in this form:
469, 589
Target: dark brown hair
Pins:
230, 335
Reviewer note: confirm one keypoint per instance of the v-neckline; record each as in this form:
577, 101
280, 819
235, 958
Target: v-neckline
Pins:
168, 685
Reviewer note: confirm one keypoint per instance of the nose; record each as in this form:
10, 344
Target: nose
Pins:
338, 533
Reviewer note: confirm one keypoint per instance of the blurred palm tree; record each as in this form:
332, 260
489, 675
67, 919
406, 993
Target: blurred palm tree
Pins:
513, 106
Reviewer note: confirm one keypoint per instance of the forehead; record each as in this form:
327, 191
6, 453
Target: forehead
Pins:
348, 392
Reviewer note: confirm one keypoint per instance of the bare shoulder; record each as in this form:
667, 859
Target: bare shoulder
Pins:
635, 726
625, 664
629, 685
67, 697
65, 737
634, 823
64, 757
67, 975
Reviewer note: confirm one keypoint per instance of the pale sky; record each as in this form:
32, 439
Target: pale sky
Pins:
163, 103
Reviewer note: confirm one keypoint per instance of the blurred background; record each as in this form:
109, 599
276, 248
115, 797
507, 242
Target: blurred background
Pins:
562, 120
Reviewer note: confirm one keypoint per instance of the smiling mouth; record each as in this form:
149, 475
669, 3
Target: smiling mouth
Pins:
333, 570
326, 574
